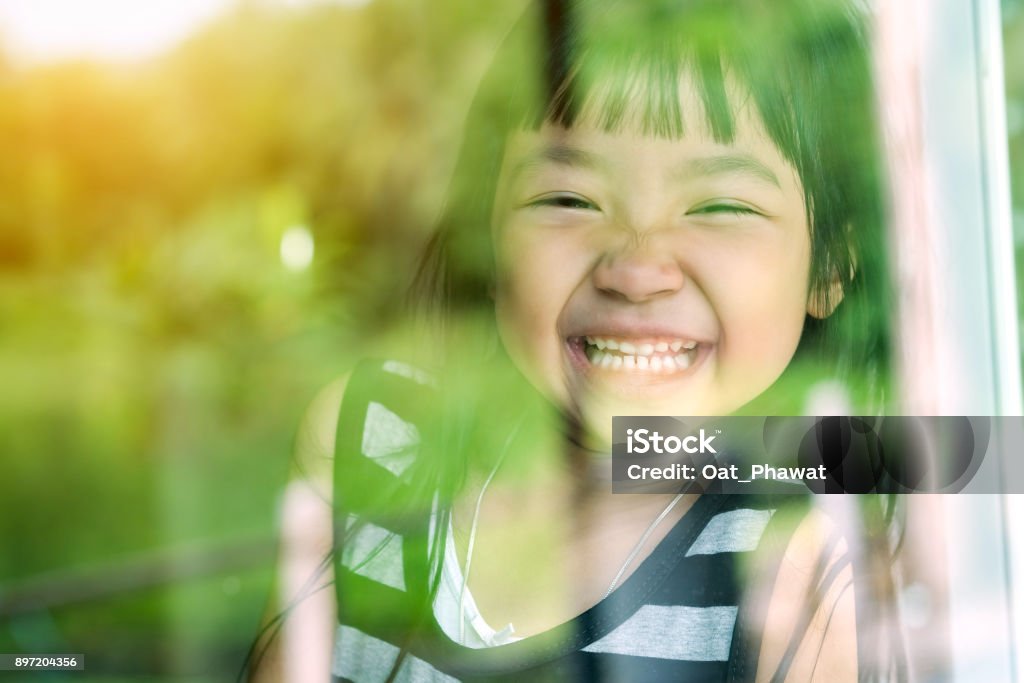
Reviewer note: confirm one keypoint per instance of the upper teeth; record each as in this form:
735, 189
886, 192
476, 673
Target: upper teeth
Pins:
641, 349
672, 356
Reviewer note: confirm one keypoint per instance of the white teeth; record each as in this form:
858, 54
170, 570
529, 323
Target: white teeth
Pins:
623, 355
642, 349
653, 363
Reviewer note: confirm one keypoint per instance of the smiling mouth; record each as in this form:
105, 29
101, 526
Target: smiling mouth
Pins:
651, 356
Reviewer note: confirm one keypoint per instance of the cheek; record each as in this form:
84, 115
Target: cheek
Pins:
536, 277
761, 309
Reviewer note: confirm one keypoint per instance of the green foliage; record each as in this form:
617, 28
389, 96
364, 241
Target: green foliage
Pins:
156, 354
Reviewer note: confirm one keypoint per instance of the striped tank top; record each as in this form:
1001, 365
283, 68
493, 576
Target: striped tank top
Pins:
679, 617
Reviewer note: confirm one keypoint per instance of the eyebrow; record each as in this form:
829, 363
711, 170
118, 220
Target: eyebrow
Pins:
558, 154
723, 164
729, 164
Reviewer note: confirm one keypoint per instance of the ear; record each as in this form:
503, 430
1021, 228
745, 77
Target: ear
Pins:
823, 300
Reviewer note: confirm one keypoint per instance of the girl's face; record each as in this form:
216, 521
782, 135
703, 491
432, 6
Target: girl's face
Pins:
641, 275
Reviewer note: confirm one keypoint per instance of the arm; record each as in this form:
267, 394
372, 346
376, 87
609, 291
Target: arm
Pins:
301, 649
827, 647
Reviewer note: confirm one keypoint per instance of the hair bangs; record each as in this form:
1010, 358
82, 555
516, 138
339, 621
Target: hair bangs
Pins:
646, 92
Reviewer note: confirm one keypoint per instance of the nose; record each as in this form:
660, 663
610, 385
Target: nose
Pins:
638, 273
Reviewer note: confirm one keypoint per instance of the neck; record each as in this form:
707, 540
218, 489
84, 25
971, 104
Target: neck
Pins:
590, 482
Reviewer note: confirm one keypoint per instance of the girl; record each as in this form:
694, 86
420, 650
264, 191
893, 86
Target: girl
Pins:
660, 208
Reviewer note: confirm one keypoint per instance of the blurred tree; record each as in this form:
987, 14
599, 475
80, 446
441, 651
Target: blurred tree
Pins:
156, 352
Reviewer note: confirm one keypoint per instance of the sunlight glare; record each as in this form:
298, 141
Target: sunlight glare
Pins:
49, 30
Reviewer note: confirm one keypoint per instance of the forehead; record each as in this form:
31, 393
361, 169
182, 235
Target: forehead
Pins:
617, 123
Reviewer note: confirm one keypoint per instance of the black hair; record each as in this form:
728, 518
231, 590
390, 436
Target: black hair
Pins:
806, 68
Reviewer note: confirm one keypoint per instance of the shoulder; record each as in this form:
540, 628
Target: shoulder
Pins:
315, 439
372, 410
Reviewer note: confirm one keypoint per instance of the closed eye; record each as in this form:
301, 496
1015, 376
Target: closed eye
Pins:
724, 208
563, 201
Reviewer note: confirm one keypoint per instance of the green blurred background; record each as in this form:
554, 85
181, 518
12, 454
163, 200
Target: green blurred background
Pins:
191, 245
162, 325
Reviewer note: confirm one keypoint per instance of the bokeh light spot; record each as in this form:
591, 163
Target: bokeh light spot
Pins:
297, 248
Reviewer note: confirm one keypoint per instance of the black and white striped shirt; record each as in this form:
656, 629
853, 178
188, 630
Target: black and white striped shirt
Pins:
679, 617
